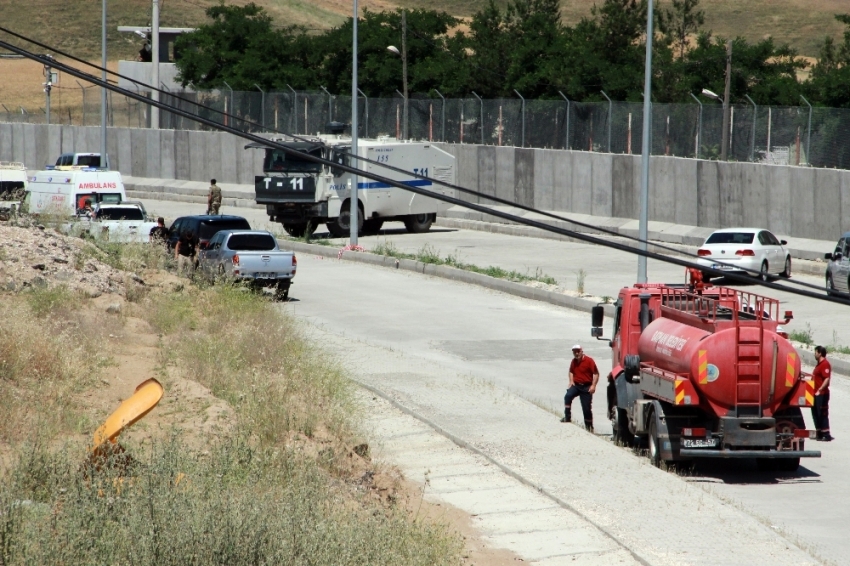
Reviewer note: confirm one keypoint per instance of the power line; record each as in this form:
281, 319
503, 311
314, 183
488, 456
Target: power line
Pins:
170, 108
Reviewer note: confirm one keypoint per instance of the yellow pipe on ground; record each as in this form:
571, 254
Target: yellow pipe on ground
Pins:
146, 397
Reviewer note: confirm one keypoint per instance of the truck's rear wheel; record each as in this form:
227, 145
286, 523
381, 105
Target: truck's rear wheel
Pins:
620, 425
418, 223
654, 444
299, 229
340, 227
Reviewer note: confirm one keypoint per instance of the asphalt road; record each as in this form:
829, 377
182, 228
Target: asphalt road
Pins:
457, 343
454, 337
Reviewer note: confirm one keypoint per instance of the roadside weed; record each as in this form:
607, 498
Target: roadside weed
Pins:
581, 275
803, 336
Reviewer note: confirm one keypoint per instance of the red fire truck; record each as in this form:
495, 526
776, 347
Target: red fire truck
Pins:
706, 373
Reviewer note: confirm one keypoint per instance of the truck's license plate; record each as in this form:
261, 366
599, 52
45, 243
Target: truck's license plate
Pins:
700, 442
265, 275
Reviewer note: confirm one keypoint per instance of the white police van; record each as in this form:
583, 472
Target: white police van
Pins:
301, 194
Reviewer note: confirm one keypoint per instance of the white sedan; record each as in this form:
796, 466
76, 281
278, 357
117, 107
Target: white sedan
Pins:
752, 250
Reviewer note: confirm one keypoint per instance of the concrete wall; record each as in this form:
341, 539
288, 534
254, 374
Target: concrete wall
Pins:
796, 201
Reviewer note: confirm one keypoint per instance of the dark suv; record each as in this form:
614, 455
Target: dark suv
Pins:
203, 227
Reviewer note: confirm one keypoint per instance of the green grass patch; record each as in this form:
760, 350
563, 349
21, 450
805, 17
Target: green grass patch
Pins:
428, 254
803, 336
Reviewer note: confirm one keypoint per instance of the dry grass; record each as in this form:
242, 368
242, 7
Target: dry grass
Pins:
49, 350
276, 487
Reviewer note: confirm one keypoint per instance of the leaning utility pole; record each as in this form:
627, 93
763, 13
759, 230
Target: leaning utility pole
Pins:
727, 109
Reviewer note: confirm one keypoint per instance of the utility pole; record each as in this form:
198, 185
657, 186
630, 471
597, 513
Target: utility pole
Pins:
103, 90
727, 110
353, 222
404, 67
48, 84
155, 63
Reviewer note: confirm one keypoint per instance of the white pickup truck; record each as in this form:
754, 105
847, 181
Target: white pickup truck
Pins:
251, 256
124, 222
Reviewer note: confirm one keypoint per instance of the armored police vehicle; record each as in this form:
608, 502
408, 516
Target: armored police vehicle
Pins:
301, 194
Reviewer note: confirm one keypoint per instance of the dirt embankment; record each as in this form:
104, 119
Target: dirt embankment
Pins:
111, 288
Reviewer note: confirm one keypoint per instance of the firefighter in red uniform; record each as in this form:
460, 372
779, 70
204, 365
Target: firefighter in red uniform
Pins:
583, 378
822, 375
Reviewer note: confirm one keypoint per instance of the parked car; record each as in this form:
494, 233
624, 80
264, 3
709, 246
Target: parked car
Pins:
252, 256
125, 222
752, 250
838, 268
203, 227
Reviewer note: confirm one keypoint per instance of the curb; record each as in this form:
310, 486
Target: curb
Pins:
509, 287
453, 273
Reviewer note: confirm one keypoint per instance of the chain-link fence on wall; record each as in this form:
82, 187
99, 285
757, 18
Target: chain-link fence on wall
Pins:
765, 134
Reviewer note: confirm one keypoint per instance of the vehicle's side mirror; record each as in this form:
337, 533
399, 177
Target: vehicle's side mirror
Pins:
597, 316
783, 242
827, 257
596, 332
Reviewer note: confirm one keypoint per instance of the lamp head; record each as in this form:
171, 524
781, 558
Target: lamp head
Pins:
394, 49
710, 94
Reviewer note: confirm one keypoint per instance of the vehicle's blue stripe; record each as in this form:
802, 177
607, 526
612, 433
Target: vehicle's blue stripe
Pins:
412, 183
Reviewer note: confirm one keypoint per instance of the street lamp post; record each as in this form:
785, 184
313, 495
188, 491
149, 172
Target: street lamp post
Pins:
155, 64
643, 224
699, 126
403, 55
103, 78
354, 178
610, 109
727, 108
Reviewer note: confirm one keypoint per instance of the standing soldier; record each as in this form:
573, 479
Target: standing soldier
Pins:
822, 375
213, 198
583, 378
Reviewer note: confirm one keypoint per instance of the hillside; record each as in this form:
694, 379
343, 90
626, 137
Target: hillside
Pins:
75, 26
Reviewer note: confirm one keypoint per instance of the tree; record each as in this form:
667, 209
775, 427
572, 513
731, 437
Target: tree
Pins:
606, 52
237, 47
429, 57
828, 82
681, 21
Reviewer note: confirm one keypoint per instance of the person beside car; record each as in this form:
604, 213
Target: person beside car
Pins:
184, 253
159, 234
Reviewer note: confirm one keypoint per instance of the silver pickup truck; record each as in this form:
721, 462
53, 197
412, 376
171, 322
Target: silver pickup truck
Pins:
252, 256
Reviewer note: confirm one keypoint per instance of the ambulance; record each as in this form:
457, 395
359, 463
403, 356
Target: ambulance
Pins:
65, 192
